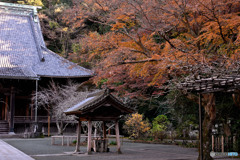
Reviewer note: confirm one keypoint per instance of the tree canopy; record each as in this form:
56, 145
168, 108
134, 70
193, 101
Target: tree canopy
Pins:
138, 46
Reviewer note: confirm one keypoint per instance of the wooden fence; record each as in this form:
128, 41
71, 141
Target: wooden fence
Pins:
221, 143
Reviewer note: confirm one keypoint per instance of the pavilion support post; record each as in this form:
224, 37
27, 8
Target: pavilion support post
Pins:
12, 111
200, 129
117, 137
104, 130
78, 136
89, 147
105, 144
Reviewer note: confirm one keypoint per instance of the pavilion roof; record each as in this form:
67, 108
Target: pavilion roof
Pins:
23, 53
96, 100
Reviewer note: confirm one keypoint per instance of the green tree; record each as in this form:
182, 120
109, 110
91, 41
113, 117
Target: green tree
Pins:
160, 124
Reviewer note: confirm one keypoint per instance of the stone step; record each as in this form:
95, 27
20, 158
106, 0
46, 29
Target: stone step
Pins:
3, 122
4, 130
4, 127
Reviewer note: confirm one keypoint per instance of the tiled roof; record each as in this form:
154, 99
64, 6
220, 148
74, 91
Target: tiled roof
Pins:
23, 53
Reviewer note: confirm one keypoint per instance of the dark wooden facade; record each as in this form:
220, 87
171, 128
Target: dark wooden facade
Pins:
17, 108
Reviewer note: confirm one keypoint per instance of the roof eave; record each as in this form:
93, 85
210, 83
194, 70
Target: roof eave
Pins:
81, 76
73, 113
19, 77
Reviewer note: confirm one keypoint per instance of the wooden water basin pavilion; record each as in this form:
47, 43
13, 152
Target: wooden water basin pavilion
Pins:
99, 106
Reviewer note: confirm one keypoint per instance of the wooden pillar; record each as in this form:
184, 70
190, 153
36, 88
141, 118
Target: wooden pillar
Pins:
49, 125
89, 136
227, 142
222, 143
105, 140
218, 143
78, 136
104, 130
3, 111
213, 143
49, 121
200, 129
36, 104
117, 137
27, 111
32, 109
6, 108
234, 142
12, 110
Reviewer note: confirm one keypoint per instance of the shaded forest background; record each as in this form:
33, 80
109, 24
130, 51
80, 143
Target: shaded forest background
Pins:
143, 49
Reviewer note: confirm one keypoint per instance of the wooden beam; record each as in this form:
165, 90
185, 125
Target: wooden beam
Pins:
24, 97
117, 137
104, 118
78, 136
83, 119
89, 147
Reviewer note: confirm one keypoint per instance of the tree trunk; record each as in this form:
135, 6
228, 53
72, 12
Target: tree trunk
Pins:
59, 126
208, 103
207, 129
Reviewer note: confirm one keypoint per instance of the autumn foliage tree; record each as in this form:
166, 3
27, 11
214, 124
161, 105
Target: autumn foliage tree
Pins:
151, 42
136, 126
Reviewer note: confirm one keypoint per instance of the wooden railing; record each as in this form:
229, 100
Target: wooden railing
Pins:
29, 119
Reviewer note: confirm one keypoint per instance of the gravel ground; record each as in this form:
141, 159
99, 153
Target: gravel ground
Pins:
41, 149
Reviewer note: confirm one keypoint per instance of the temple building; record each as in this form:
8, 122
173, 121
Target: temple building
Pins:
26, 65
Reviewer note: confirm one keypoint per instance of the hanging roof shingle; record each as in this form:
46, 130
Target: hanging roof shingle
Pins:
23, 53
